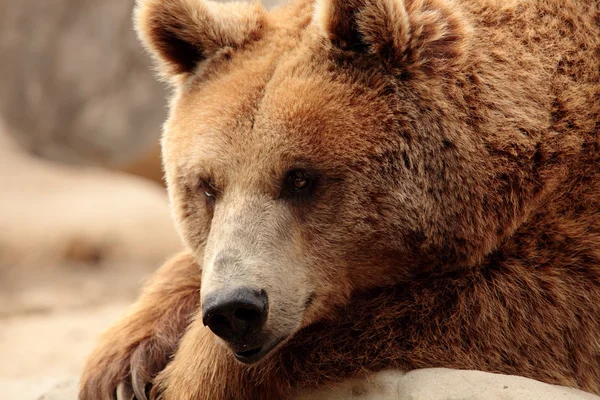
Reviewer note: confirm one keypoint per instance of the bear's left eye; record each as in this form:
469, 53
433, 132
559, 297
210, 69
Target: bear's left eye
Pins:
298, 183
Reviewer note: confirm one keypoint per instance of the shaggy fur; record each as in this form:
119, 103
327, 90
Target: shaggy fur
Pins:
456, 222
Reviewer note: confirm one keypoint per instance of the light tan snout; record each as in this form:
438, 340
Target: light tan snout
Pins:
254, 285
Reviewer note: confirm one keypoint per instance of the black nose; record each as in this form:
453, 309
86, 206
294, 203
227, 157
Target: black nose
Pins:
234, 313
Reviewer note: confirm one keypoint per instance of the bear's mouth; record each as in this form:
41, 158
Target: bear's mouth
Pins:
242, 355
256, 354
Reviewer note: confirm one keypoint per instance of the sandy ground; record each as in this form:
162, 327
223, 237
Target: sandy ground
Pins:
46, 349
50, 323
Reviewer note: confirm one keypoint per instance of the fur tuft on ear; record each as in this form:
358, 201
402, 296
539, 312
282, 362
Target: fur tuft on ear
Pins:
182, 33
427, 34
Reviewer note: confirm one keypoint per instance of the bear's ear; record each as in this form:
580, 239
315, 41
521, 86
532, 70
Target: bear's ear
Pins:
405, 33
182, 33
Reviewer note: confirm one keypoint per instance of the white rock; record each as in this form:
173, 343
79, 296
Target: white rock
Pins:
446, 384
425, 384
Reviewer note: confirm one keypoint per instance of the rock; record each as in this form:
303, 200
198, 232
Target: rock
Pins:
53, 213
77, 85
80, 87
447, 384
426, 384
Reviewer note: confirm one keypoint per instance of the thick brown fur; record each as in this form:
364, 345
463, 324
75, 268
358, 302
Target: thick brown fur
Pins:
466, 232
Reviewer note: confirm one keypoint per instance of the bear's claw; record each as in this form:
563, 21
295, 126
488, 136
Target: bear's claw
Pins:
124, 392
138, 383
130, 374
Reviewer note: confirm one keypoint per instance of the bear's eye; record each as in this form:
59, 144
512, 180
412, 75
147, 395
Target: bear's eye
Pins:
208, 188
298, 183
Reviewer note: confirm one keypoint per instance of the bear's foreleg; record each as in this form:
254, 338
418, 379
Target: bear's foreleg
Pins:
137, 348
203, 369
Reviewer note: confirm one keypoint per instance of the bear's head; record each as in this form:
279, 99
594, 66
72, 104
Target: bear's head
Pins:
318, 150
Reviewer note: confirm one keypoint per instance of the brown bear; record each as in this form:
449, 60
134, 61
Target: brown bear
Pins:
366, 185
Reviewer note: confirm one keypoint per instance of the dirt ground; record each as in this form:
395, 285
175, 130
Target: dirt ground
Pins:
49, 324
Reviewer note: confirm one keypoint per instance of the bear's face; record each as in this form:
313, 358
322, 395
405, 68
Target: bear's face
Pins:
275, 174
310, 154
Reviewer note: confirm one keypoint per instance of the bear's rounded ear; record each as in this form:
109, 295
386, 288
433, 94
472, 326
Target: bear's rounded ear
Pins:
410, 34
182, 33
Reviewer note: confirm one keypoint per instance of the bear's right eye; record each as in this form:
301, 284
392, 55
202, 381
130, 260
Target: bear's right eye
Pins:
209, 190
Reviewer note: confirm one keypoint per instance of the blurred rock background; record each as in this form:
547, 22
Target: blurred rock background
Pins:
76, 85
80, 226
